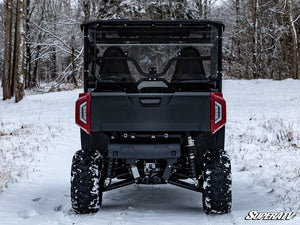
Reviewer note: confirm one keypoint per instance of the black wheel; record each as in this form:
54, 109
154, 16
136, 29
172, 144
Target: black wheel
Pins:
86, 181
216, 183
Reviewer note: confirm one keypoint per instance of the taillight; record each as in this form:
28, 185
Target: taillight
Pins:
82, 112
218, 112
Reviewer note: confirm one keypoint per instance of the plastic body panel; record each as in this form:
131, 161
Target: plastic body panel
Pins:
144, 151
181, 111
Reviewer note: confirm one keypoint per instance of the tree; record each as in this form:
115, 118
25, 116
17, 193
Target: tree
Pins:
261, 38
28, 65
8, 50
13, 77
19, 52
259, 41
291, 23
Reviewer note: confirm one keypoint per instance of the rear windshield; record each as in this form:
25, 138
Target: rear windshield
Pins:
190, 56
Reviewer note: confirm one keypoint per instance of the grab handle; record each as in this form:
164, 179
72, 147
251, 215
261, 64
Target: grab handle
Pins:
152, 102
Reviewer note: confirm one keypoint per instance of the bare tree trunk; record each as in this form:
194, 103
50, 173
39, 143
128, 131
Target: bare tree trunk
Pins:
35, 72
205, 9
33, 81
237, 27
19, 52
27, 71
8, 51
294, 38
86, 9
53, 69
254, 37
15, 56
200, 8
73, 60
2, 78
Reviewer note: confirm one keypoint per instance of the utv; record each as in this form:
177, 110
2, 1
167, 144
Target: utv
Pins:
152, 111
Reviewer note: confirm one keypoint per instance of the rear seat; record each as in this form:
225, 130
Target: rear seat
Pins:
189, 68
115, 67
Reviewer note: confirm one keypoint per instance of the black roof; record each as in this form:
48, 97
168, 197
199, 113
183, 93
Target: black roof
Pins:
173, 24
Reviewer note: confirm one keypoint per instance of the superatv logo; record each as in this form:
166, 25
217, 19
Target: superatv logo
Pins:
255, 215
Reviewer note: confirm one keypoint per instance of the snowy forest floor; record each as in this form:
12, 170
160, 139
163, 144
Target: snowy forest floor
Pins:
38, 138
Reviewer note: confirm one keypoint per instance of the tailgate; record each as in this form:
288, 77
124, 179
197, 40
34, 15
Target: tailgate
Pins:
119, 111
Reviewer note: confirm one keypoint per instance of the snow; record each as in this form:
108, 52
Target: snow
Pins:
263, 134
38, 138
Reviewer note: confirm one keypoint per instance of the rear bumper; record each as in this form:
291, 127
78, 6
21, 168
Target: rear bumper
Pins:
144, 151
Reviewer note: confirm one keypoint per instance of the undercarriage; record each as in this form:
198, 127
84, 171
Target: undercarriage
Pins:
153, 158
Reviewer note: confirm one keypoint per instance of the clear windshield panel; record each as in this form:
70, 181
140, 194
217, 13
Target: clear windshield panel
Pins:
171, 59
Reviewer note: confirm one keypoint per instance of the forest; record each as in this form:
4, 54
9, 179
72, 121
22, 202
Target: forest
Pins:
41, 44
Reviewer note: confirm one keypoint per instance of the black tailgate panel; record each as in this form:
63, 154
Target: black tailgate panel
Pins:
119, 111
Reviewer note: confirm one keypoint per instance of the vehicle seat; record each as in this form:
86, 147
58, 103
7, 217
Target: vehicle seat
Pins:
116, 68
189, 68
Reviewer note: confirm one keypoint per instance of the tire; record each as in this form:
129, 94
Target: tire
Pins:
216, 195
203, 142
86, 182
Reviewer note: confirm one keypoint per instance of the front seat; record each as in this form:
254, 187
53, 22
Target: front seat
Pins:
189, 68
115, 68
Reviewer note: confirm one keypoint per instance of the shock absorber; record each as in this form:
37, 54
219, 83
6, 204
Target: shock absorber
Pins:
109, 168
191, 151
109, 172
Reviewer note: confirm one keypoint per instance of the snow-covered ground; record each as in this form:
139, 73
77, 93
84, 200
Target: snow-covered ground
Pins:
38, 138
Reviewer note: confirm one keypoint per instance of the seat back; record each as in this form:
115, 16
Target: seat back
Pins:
189, 68
115, 67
